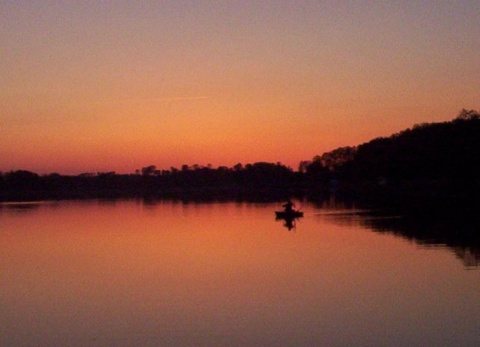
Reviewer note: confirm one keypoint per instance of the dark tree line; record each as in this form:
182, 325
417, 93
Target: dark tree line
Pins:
430, 152
267, 179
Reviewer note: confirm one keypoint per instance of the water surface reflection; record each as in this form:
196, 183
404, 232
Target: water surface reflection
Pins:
458, 232
127, 273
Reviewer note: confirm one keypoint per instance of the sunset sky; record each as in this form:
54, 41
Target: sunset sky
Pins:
88, 86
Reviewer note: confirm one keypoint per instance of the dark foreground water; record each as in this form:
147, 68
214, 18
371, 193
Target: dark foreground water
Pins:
128, 273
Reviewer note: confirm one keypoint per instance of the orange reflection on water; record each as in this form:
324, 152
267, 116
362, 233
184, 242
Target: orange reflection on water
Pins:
126, 273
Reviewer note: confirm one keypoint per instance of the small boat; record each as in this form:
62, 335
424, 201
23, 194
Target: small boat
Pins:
288, 214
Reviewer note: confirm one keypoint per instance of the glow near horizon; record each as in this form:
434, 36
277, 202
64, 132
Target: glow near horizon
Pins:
116, 85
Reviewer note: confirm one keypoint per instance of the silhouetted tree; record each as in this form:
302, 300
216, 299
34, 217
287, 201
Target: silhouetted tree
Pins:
468, 115
303, 165
22, 180
149, 170
428, 152
334, 159
316, 172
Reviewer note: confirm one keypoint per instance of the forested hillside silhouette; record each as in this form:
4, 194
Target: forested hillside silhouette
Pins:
429, 159
257, 180
424, 159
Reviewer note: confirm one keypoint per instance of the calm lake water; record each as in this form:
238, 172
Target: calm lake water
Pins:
130, 273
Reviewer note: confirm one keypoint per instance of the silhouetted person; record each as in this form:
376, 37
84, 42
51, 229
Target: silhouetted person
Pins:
288, 206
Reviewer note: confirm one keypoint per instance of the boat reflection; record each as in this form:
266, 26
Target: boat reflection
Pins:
289, 220
289, 223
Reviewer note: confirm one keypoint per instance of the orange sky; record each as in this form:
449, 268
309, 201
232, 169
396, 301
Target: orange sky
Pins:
114, 86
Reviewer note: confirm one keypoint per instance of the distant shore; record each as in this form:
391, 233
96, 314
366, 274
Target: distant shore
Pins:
408, 193
429, 164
